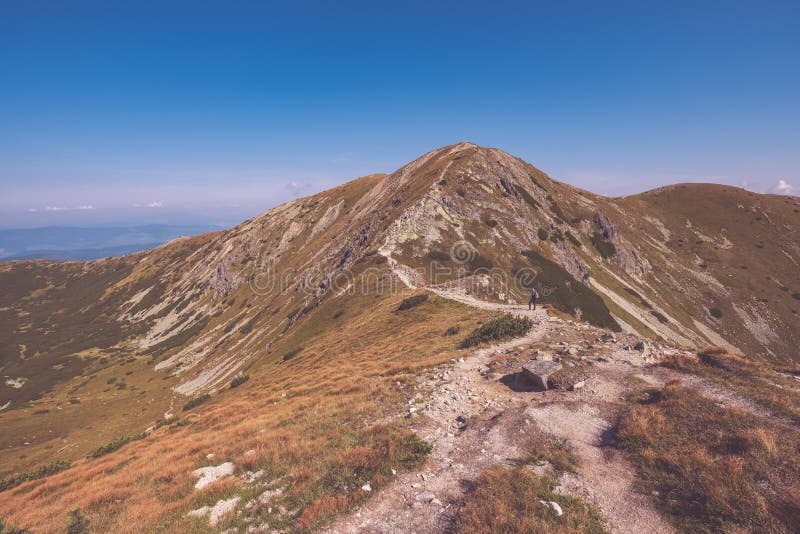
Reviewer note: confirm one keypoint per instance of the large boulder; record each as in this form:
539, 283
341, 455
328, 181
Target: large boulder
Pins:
537, 371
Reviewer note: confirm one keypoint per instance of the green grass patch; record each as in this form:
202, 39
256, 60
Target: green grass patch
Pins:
114, 445
196, 401
412, 301
558, 288
39, 472
507, 326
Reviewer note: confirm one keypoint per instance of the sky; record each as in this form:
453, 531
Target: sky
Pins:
186, 112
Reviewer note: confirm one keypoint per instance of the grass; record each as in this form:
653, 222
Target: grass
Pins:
562, 291
602, 245
289, 354
753, 379
507, 500
36, 474
314, 438
713, 468
507, 326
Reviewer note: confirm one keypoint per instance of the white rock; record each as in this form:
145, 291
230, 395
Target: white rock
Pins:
209, 475
217, 512
553, 506
366, 487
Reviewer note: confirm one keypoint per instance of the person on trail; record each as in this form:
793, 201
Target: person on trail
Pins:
534, 296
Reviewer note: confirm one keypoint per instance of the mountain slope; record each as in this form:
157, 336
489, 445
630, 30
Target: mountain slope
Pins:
95, 350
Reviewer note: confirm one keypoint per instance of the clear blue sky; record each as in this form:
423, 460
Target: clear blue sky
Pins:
220, 110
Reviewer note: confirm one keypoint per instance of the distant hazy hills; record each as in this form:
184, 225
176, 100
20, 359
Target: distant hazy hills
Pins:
80, 243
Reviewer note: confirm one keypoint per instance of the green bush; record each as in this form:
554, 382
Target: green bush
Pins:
239, 379
5, 528
542, 233
715, 312
453, 330
77, 523
39, 472
491, 223
114, 445
196, 401
292, 353
506, 327
603, 246
659, 316
412, 301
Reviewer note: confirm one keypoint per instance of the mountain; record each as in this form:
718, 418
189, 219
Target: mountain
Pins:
301, 302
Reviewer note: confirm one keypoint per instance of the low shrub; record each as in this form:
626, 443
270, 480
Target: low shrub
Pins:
491, 223
5, 528
412, 301
196, 401
453, 330
602, 245
716, 313
114, 445
660, 316
291, 353
77, 522
239, 379
39, 472
506, 327
542, 233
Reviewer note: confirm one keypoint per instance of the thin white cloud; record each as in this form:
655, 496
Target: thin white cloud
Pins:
82, 207
153, 204
784, 188
297, 187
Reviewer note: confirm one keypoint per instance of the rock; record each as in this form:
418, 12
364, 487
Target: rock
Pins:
425, 496
209, 475
553, 506
640, 346
609, 336
217, 512
366, 487
577, 385
544, 357
538, 371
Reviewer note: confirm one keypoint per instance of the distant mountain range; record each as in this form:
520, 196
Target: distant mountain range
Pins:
68, 243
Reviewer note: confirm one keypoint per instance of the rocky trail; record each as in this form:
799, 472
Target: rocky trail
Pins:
480, 411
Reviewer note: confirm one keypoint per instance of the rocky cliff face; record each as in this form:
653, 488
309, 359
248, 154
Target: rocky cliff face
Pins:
691, 264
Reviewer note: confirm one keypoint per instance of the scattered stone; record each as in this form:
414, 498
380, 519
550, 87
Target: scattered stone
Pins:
553, 506
366, 487
217, 512
209, 475
425, 496
538, 371
577, 385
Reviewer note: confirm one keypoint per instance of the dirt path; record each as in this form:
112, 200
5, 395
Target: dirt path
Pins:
475, 420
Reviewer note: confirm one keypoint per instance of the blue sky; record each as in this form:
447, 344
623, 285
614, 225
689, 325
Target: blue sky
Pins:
214, 111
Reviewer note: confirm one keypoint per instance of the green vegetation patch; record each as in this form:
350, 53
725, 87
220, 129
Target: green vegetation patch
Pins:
114, 445
412, 301
451, 331
39, 472
605, 247
558, 288
239, 379
196, 401
291, 353
507, 326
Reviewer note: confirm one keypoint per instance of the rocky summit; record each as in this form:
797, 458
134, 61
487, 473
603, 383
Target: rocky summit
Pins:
368, 359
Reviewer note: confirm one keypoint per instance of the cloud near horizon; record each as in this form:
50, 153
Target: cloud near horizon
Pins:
82, 207
784, 188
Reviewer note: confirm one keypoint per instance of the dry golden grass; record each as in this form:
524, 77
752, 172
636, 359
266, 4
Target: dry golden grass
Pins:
507, 500
714, 468
313, 422
753, 379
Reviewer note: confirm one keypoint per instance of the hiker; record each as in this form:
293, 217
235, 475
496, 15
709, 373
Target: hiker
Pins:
534, 296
